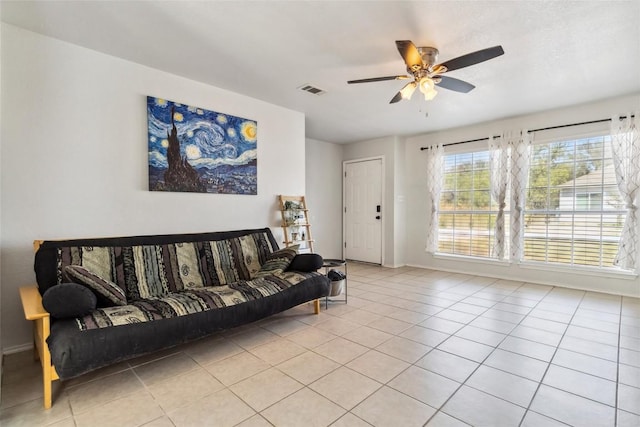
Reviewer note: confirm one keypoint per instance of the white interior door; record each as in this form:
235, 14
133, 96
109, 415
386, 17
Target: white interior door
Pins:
363, 211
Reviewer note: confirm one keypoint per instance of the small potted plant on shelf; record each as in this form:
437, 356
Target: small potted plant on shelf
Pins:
292, 212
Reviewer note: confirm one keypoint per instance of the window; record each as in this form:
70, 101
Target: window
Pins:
574, 212
467, 212
589, 201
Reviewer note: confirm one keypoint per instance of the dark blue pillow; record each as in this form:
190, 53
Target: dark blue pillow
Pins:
69, 300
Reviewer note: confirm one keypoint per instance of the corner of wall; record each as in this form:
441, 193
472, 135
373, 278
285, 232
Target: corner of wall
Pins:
323, 171
400, 203
1, 127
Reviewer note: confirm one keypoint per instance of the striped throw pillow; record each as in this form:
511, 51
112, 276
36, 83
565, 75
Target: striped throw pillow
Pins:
107, 291
278, 261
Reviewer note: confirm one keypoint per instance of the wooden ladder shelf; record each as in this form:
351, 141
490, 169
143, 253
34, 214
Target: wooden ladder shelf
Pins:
295, 221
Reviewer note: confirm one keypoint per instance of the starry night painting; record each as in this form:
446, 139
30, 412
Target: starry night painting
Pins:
200, 151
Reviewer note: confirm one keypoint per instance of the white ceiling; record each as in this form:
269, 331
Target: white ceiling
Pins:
557, 53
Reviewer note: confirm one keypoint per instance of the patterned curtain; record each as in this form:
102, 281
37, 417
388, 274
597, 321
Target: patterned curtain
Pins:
625, 150
435, 180
499, 180
520, 145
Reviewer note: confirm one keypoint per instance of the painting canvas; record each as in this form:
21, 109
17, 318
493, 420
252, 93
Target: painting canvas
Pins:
196, 150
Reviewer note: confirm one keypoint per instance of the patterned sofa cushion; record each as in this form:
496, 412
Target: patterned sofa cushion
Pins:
144, 271
153, 271
190, 301
240, 258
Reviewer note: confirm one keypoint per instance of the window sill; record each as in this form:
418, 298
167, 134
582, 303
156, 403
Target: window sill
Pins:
528, 265
587, 271
478, 260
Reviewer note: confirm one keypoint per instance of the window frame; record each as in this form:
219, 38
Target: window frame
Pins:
553, 135
492, 212
572, 212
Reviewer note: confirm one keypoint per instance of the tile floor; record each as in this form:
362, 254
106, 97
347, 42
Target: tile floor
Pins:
413, 347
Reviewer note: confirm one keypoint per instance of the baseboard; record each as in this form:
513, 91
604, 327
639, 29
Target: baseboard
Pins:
519, 279
17, 349
394, 265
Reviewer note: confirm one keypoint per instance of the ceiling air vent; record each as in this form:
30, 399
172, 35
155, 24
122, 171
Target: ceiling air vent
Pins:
312, 89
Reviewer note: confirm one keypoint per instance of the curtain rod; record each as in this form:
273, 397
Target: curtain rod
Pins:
532, 131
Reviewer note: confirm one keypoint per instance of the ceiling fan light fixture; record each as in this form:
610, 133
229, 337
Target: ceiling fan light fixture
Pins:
427, 87
430, 95
408, 90
426, 74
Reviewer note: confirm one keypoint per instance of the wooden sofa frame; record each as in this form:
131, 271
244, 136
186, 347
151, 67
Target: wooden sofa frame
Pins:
34, 311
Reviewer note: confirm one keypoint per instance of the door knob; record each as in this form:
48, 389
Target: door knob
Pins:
377, 216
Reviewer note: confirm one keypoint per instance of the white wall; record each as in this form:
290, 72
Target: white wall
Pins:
74, 157
323, 173
418, 210
387, 148
400, 204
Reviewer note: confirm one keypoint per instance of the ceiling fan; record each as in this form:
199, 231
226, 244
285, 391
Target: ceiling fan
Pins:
426, 74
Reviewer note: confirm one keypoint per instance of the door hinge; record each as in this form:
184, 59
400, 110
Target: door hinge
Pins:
345, 209
345, 245
345, 174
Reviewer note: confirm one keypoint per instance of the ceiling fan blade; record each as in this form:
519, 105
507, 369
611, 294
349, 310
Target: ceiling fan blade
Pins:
472, 58
410, 54
405, 92
378, 79
454, 84
396, 98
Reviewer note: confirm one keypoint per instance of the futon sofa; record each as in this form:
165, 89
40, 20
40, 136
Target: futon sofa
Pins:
104, 300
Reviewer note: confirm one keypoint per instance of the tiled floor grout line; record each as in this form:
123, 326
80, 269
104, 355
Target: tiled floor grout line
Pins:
228, 387
551, 359
340, 365
528, 408
615, 419
489, 355
439, 409
345, 366
411, 364
146, 387
348, 411
374, 349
